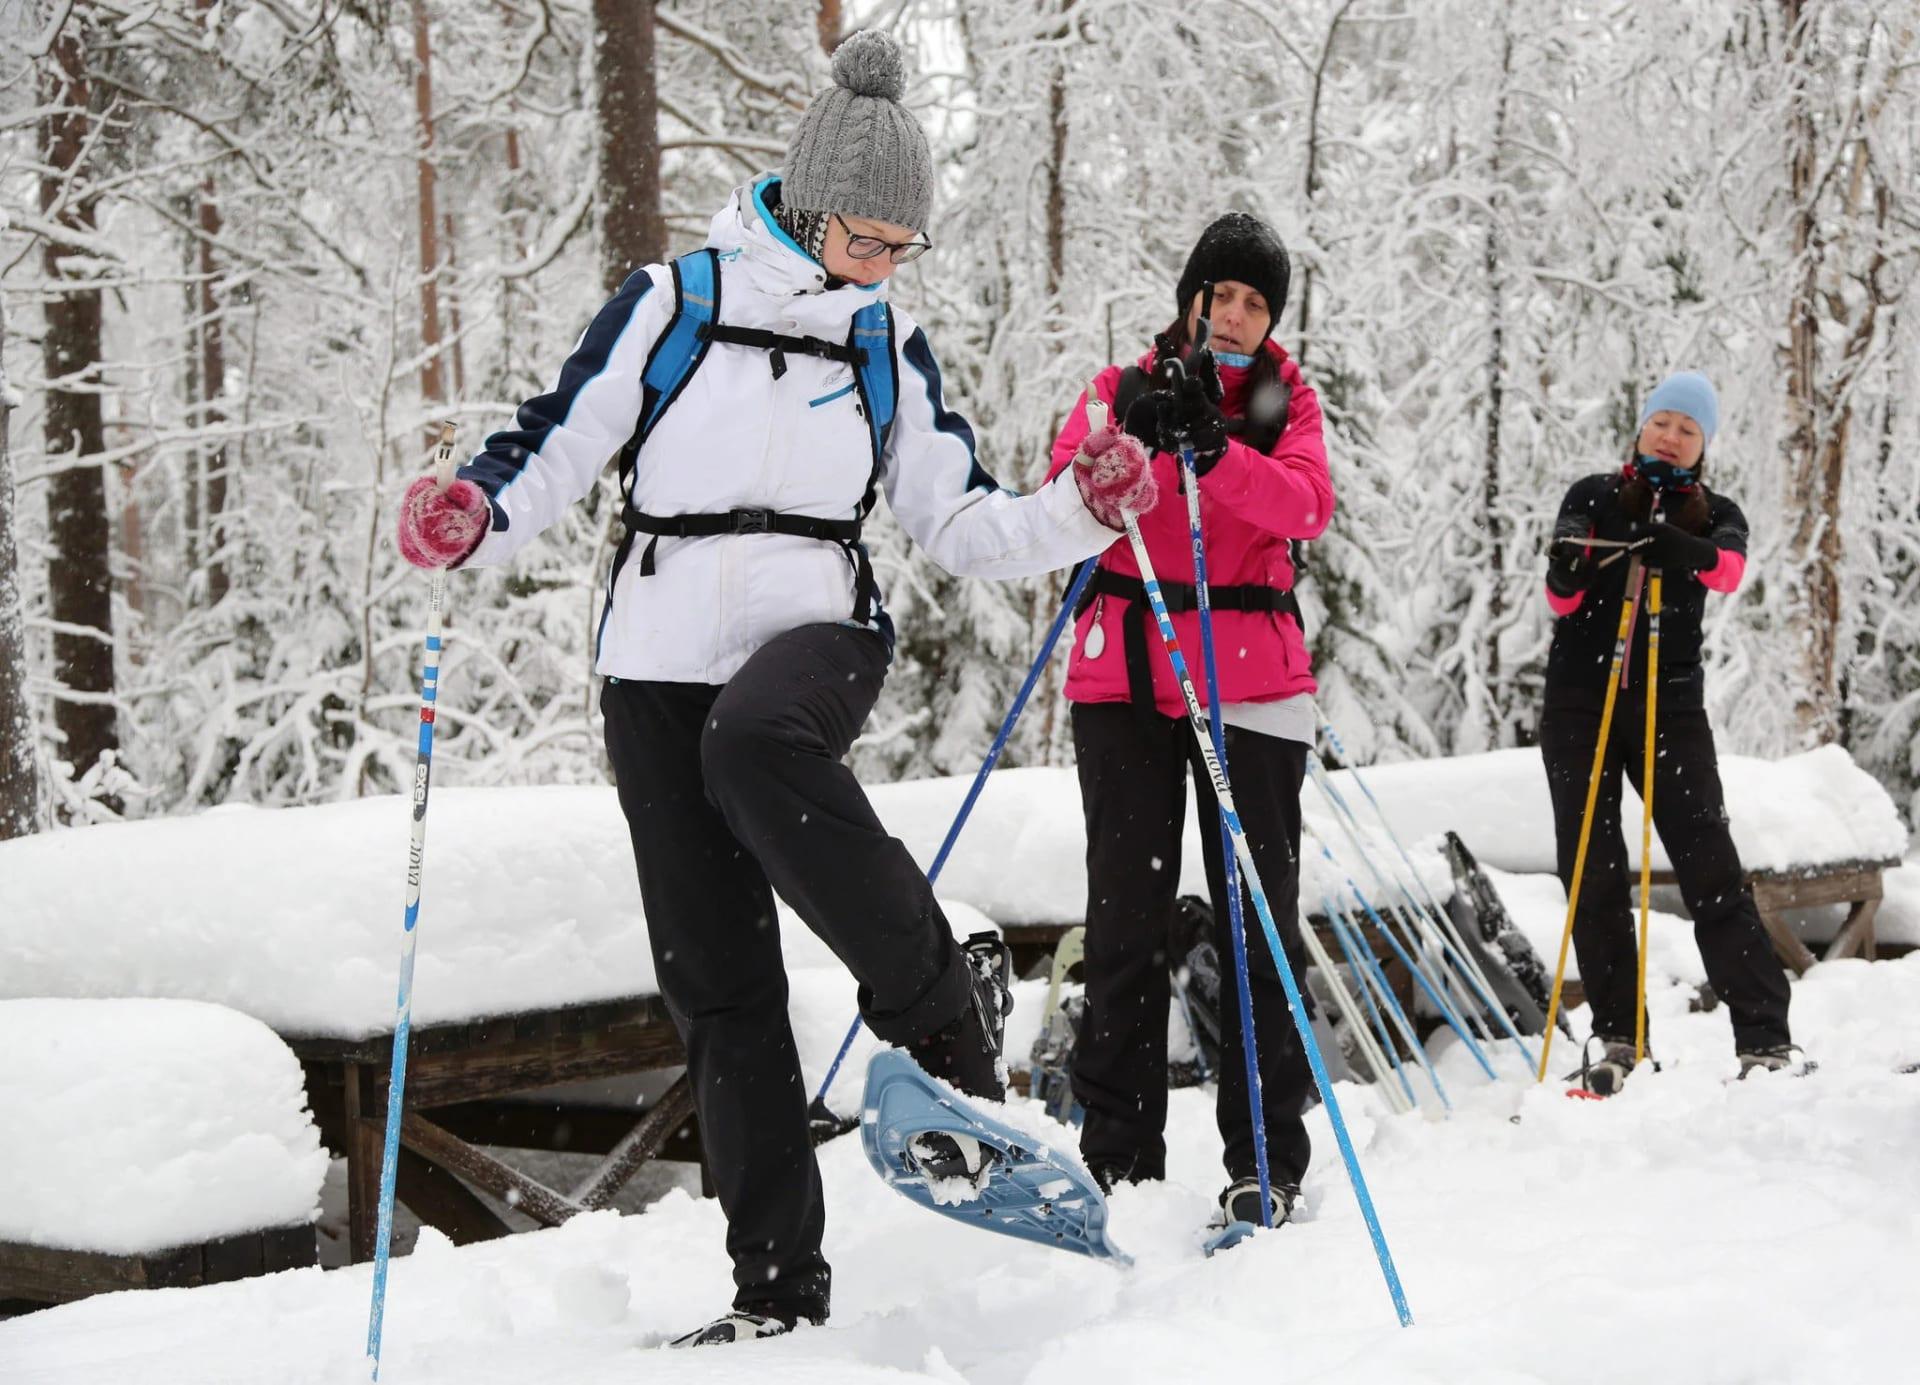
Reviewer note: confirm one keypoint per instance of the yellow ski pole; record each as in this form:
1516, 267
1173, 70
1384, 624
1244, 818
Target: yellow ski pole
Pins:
1635, 574
1646, 813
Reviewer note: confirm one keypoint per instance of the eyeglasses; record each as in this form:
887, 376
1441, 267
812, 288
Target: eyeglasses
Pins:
861, 247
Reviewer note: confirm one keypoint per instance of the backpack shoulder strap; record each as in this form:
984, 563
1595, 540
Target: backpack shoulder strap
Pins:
683, 345
878, 378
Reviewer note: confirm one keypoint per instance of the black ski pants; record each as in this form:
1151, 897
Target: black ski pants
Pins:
1133, 782
1690, 813
731, 794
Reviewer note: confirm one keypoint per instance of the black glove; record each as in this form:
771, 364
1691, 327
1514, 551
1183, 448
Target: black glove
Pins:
1570, 568
1672, 549
1144, 414
1194, 421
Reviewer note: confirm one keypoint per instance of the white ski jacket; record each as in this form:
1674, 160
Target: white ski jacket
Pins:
737, 437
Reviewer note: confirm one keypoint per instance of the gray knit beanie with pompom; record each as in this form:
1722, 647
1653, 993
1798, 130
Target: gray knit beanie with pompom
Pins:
858, 151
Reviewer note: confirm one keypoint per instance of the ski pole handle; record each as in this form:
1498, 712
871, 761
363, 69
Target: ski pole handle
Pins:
443, 466
1096, 409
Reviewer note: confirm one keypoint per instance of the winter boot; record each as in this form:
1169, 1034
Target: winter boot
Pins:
967, 1054
1607, 1074
736, 1326
1241, 1202
1787, 1058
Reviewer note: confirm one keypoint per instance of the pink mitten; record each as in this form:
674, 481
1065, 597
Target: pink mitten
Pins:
1113, 474
439, 528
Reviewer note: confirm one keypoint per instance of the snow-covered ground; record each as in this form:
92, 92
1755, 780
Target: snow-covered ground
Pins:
1690, 1231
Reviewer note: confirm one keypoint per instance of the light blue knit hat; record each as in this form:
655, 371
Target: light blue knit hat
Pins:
1685, 392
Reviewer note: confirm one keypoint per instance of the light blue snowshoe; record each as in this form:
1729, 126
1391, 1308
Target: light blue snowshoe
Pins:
938, 1149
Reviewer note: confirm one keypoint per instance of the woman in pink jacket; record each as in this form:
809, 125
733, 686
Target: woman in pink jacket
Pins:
1262, 465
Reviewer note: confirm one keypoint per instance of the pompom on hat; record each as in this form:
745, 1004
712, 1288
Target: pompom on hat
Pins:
858, 151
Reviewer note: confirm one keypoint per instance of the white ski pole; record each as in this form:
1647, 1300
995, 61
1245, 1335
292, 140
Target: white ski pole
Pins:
416, 855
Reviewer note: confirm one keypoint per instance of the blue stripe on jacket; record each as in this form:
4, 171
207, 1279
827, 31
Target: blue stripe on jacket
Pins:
504, 458
920, 356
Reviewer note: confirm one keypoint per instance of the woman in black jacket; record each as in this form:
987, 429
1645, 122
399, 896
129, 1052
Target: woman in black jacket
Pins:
1696, 538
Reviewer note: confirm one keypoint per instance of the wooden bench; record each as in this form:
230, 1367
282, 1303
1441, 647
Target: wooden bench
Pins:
1854, 883
460, 1081
33, 1276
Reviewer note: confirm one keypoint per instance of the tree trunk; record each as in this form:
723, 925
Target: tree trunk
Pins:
80, 583
19, 784
1814, 445
432, 381
1490, 496
633, 232
213, 385
827, 20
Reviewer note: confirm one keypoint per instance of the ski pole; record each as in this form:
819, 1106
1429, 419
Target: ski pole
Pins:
1463, 969
1432, 902
1350, 1011
1646, 815
1353, 942
1271, 930
1079, 584
1418, 929
1440, 1002
416, 855
1635, 574
1237, 931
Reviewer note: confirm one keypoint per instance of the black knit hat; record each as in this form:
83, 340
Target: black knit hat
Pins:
1239, 247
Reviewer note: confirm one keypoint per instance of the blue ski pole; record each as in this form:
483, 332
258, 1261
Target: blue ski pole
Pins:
1354, 942
416, 855
1295, 1004
1440, 1002
1432, 903
1080, 580
1384, 1039
1434, 921
1237, 928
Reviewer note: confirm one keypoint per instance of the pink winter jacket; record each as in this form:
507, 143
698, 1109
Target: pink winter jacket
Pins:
1250, 505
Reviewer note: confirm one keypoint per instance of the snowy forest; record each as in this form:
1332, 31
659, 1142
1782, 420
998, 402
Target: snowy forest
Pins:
251, 252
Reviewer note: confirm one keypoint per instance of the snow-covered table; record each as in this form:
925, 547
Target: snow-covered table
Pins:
149, 1144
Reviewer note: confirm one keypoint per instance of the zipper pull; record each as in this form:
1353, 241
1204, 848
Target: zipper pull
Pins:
1096, 642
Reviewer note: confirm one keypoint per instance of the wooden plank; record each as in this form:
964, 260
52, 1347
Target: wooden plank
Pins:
235, 1257
444, 1202
670, 1111
1805, 892
523, 1194
43, 1274
289, 1248
1856, 936
376, 1050
440, 1079
365, 1136
1785, 945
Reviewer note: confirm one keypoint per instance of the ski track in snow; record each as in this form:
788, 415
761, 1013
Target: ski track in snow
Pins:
1692, 1230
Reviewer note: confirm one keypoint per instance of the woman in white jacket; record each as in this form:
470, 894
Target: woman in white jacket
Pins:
759, 393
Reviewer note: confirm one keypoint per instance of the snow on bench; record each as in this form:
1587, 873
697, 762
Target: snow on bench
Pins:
139, 1128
